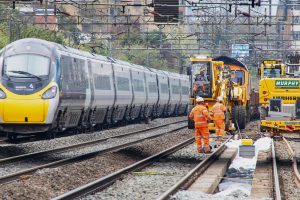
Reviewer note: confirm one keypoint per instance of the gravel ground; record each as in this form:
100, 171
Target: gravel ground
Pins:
187, 195
153, 181
48, 183
282, 151
286, 176
150, 182
12, 168
252, 131
288, 187
17, 149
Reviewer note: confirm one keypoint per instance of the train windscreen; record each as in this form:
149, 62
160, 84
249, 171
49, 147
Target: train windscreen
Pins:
26, 66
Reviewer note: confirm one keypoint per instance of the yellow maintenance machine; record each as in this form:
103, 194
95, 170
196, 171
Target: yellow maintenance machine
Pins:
279, 99
221, 76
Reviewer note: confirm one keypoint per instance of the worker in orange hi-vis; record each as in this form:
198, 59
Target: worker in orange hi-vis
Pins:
201, 116
219, 117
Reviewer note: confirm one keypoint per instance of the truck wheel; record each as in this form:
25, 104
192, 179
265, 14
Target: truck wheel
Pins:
263, 113
191, 124
241, 117
235, 115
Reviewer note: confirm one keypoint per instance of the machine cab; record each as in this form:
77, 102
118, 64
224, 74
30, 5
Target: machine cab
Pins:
201, 77
271, 69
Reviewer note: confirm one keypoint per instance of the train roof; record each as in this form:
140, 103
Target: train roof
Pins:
53, 46
229, 60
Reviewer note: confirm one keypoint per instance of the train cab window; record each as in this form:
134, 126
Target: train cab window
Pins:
152, 87
239, 77
26, 65
164, 88
123, 84
138, 85
175, 89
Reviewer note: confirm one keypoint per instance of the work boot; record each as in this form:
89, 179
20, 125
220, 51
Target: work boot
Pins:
200, 150
207, 150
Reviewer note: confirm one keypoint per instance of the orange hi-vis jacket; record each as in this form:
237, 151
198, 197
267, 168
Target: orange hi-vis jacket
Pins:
218, 111
200, 115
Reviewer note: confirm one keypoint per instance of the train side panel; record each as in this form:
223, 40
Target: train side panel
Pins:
164, 95
104, 90
174, 85
75, 90
152, 91
139, 92
124, 94
184, 94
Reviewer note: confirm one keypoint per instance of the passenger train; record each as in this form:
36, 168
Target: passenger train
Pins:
50, 87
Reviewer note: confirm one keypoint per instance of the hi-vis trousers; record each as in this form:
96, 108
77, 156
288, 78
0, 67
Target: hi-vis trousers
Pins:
202, 133
220, 127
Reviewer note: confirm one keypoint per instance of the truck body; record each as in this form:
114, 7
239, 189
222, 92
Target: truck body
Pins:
279, 99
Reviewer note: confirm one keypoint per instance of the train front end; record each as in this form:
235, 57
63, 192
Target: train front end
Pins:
28, 89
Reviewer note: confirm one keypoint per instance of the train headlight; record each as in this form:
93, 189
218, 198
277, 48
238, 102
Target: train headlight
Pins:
50, 93
2, 94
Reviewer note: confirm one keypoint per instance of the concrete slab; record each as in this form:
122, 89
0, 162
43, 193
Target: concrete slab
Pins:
262, 185
210, 179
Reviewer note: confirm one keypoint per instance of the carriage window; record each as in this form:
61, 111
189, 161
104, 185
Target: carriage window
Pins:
185, 90
138, 85
164, 88
123, 84
175, 89
152, 87
102, 82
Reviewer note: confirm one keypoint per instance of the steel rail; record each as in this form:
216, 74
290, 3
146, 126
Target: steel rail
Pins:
66, 148
294, 161
14, 176
275, 174
187, 180
105, 181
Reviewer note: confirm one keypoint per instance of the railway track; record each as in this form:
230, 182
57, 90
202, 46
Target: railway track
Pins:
276, 184
106, 181
109, 143
287, 154
294, 162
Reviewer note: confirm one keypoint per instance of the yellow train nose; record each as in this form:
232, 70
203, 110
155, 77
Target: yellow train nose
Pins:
17, 111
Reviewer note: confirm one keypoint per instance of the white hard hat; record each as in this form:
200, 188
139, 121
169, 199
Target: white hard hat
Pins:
219, 99
199, 99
